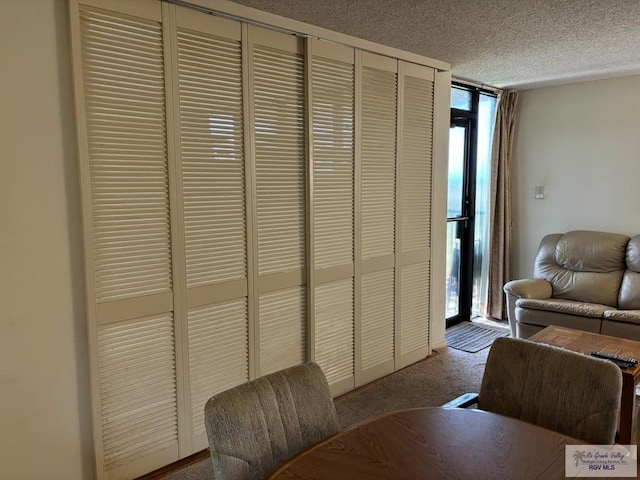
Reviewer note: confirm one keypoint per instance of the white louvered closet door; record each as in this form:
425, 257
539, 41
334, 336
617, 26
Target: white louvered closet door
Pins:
250, 201
278, 106
378, 213
332, 116
211, 148
125, 181
416, 133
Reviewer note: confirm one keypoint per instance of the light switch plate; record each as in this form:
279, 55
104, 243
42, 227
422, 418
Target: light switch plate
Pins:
539, 192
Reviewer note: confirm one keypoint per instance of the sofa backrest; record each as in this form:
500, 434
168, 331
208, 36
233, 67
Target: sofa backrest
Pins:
583, 265
629, 298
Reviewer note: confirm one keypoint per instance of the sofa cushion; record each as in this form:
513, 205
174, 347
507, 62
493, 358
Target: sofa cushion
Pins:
626, 316
581, 309
543, 318
629, 331
584, 266
629, 297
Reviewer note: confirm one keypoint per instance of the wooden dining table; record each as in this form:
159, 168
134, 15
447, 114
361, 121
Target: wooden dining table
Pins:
433, 443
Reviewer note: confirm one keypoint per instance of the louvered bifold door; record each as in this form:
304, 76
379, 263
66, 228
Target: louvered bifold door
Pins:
212, 165
378, 211
415, 166
332, 133
278, 109
125, 187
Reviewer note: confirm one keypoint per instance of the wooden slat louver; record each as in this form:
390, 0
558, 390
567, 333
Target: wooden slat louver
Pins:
211, 136
283, 330
378, 318
333, 105
218, 353
280, 158
416, 164
379, 98
334, 329
137, 388
415, 308
124, 96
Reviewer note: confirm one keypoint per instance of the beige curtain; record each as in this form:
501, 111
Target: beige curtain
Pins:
500, 218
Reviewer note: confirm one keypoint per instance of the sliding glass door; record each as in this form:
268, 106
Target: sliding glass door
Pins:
472, 116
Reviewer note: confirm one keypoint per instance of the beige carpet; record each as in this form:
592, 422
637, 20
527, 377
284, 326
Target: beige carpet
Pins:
433, 381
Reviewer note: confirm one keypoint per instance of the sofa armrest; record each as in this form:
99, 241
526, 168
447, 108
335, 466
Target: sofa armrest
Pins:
529, 288
537, 288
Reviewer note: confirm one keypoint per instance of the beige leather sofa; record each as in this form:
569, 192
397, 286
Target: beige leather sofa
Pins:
584, 280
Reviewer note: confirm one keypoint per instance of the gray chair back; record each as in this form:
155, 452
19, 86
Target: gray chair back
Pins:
256, 426
565, 391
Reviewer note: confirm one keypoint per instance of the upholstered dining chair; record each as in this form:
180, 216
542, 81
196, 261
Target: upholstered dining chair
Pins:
255, 426
565, 391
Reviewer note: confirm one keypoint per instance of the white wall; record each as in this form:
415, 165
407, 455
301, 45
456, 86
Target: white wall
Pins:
45, 425
582, 141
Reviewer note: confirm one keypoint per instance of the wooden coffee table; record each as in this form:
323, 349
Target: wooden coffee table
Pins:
586, 342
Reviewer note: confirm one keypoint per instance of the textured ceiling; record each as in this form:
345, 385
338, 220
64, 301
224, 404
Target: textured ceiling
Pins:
501, 43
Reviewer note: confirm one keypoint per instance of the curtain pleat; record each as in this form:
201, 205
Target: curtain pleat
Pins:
500, 219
